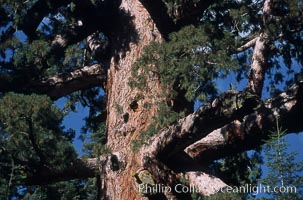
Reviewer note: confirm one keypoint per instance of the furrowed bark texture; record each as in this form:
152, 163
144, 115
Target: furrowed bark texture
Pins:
66, 83
126, 116
251, 131
79, 169
259, 59
197, 125
243, 132
204, 183
258, 66
61, 84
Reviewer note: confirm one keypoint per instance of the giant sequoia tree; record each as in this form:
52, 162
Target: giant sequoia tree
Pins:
140, 65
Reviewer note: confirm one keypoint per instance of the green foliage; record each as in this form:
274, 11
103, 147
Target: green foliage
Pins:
243, 19
190, 61
14, 6
241, 169
119, 108
73, 56
33, 60
33, 53
144, 136
283, 170
93, 133
68, 190
237, 170
164, 117
95, 146
32, 138
174, 5
8, 45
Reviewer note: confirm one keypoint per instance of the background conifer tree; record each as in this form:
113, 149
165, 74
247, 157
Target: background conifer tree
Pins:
283, 169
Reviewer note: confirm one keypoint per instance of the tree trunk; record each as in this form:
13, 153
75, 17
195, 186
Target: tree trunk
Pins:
126, 116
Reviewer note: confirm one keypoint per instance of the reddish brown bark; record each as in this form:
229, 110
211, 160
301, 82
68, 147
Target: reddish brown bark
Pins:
128, 44
66, 83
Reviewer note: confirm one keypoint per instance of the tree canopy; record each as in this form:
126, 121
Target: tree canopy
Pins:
140, 66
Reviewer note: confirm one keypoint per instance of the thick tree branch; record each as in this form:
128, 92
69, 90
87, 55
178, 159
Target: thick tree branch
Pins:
259, 65
246, 46
186, 169
204, 183
80, 169
242, 134
253, 129
58, 85
224, 109
259, 59
66, 83
254, 122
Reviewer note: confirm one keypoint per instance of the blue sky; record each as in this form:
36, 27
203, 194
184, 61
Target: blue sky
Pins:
75, 121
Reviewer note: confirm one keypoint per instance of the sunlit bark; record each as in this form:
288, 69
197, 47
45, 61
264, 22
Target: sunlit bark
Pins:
259, 63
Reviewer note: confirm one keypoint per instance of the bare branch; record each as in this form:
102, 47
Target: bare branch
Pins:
58, 85
80, 169
259, 59
243, 133
247, 45
203, 183
79, 79
236, 136
258, 66
207, 118
252, 42
250, 132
